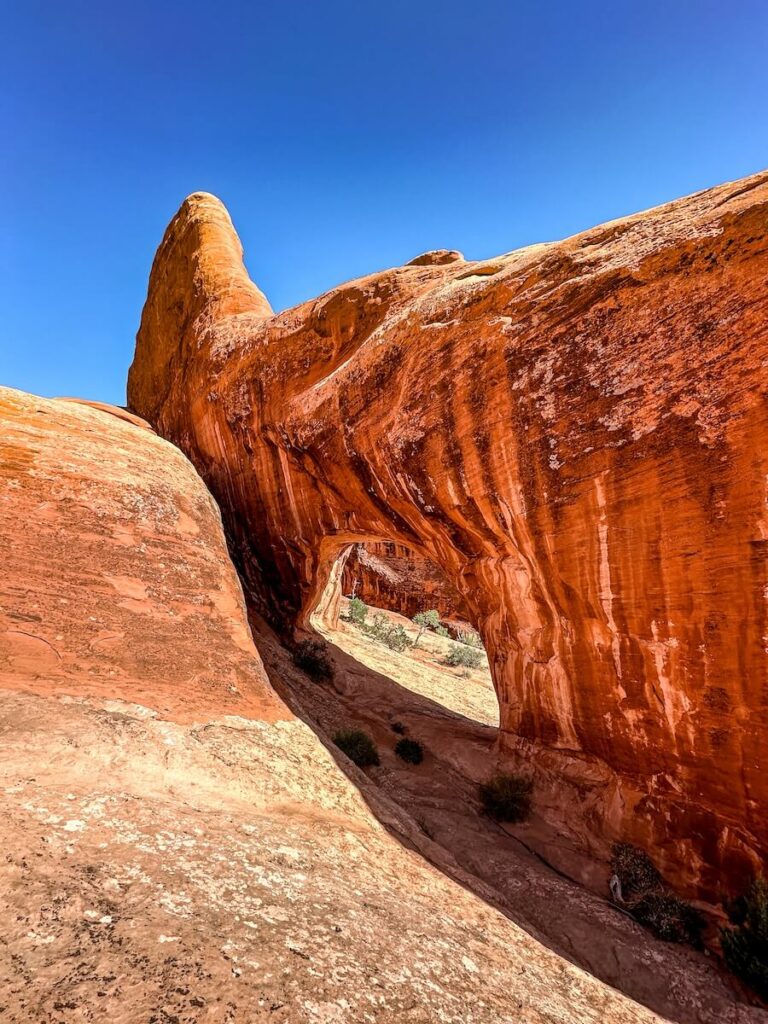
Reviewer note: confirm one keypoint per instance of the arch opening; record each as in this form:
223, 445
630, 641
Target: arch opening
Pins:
409, 623
550, 856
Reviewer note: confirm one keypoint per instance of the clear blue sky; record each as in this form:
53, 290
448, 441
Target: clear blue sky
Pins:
344, 137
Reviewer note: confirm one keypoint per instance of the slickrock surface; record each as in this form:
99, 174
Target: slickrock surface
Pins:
574, 432
116, 580
389, 575
174, 849
154, 871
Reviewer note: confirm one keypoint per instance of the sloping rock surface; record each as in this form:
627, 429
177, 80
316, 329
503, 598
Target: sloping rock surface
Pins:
574, 432
116, 580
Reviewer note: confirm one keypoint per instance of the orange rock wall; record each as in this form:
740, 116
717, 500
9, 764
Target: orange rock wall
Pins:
388, 575
574, 432
116, 581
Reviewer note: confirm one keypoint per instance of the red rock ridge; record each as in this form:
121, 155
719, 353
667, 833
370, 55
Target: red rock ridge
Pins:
574, 432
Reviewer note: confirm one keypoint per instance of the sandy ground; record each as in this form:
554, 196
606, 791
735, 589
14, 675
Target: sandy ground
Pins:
467, 692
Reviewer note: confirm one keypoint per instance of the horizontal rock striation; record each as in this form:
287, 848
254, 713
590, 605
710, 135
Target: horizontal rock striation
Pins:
575, 433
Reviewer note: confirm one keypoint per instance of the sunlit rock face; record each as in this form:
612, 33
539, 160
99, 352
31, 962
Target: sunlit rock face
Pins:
391, 576
574, 432
116, 580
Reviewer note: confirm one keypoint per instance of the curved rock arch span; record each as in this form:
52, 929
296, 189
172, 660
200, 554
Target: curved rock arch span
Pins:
574, 432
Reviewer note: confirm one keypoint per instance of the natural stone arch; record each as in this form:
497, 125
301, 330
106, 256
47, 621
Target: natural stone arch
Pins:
574, 432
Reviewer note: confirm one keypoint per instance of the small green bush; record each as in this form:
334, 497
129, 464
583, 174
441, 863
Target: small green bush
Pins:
377, 626
745, 946
392, 636
426, 620
396, 639
460, 656
311, 656
410, 751
635, 870
357, 611
471, 639
358, 746
507, 797
441, 631
669, 918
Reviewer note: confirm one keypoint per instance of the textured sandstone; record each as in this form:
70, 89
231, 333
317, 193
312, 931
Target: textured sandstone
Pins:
154, 871
388, 575
574, 432
116, 580
176, 845
436, 258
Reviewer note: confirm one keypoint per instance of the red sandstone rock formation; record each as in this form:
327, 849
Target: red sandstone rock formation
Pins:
574, 432
175, 842
389, 575
116, 581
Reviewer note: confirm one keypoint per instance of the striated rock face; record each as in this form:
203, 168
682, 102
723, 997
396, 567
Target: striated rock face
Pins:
389, 575
574, 432
176, 845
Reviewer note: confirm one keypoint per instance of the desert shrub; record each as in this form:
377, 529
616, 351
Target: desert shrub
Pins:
669, 918
425, 620
635, 870
441, 631
745, 946
399, 728
357, 611
507, 797
650, 902
388, 633
311, 656
470, 638
410, 751
396, 639
358, 746
460, 656
377, 627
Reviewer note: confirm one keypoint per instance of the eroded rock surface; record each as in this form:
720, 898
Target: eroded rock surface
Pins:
230, 872
176, 844
389, 575
574, 432
116, 580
